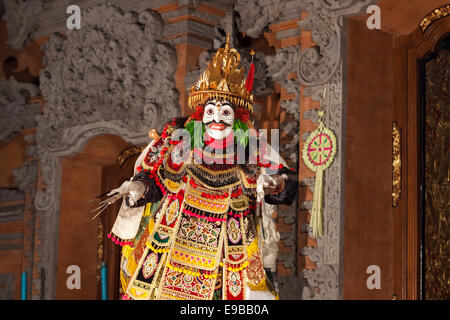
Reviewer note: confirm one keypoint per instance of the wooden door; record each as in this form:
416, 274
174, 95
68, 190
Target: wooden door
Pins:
79, 245
368, 227
112, 177
409, 218
435, 169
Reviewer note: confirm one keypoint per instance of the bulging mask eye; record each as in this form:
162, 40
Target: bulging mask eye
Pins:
209, 110
227, 111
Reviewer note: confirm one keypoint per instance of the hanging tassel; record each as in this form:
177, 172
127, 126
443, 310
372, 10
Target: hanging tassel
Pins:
251, 74
316, 212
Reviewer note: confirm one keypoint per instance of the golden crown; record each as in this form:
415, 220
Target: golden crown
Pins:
222, 79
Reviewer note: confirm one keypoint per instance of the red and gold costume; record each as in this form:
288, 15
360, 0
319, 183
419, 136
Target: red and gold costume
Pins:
197, 232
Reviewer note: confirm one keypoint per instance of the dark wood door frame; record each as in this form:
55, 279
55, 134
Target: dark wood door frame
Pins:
112, 177
409, 51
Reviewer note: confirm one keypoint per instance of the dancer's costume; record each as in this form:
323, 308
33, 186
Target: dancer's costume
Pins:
199, 231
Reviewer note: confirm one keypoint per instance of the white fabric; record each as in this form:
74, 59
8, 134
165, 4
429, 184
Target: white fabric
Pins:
127, 221
258, 295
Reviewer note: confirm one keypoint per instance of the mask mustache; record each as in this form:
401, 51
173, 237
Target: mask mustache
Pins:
220, 122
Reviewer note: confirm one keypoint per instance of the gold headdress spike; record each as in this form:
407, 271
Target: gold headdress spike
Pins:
223, 79
227, 44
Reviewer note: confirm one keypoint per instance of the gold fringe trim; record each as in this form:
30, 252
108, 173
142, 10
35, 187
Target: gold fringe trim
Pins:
242, 267
151, 247
190, 271
201, 96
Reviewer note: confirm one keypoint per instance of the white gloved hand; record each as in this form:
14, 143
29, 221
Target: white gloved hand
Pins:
269, 184
134, 189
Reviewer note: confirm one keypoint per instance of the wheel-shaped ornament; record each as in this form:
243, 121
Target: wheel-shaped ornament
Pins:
319, 149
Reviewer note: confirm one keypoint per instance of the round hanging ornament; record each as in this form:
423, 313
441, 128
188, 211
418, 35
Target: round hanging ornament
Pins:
318, 154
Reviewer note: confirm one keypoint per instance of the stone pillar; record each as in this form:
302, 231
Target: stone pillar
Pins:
17, 120
320, 66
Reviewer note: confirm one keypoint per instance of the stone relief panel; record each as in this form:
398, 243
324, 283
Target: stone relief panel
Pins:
113, 76
319, 63
113, 71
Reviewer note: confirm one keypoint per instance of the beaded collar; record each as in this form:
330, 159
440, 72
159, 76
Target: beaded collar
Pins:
215, 176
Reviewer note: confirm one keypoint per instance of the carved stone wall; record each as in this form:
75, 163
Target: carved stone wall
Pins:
113, 76
256, 15
22, 20
18, 113
15, 112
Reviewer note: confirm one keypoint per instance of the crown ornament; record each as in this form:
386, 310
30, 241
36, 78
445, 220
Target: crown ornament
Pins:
224, 79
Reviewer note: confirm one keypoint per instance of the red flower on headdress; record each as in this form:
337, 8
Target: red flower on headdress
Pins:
242, 114
198, 114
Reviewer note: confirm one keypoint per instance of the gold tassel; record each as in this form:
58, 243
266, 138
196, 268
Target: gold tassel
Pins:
316, 212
